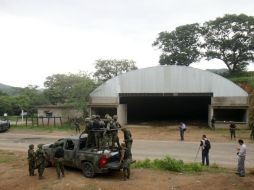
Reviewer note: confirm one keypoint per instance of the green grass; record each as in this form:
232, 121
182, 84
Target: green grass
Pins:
45, 128
242, 77
170, 164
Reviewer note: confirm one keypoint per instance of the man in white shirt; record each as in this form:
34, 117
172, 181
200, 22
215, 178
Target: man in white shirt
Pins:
182, 129
241, 158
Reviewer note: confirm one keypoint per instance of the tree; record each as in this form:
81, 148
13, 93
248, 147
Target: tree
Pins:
69, 90
107, 69
181, 46
230, 39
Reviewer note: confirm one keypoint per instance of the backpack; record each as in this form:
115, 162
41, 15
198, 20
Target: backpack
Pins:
207, 144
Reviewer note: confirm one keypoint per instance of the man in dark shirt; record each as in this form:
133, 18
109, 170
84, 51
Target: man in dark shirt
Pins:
59, 159
232, 128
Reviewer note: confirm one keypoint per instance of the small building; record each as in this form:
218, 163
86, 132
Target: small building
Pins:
170, 93
57, 114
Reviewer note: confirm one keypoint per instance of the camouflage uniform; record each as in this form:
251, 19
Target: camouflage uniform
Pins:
88, 128
40, 159
125, 161
59, 160
77, 127
128, 140
31, 159
115, 127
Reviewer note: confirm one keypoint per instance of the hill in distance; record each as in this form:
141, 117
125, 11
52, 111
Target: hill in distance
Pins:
10, 90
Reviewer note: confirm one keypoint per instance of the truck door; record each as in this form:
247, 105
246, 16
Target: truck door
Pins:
69, 152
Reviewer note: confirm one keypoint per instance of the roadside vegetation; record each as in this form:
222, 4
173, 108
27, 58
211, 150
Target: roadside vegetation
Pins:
170, 164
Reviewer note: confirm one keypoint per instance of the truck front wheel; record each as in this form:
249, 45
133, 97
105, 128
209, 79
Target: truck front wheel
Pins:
88, 170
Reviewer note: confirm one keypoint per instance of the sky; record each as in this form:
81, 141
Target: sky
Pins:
39, 38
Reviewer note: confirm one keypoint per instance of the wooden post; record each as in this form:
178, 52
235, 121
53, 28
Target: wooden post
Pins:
48, 121
17, 120
42, 119
26, 120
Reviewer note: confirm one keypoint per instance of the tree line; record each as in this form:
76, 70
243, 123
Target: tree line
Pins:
64, 89
229, 38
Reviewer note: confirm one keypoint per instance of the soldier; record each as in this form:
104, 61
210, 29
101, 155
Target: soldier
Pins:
252, 131
40, 159
96, 128
125, 161
115, 127
77, 126
232, 128
59, 159
31, 160
128, 140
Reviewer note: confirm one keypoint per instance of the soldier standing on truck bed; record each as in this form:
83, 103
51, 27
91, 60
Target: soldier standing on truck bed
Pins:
115, 127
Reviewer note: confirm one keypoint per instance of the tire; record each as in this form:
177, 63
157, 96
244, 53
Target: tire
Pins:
88, 170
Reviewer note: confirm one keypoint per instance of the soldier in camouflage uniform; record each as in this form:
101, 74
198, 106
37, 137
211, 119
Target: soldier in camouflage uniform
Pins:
88, 128
59, 159
128, 140
40, 160
252, 130
125, 161
31, 160
115, 127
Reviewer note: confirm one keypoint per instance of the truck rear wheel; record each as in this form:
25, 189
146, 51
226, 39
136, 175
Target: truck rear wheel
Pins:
88, 170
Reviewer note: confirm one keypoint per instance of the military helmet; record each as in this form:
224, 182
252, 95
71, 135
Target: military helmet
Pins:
106, 115
39, 146
115, 117
31, 146
93, 116
98, 116
87, 119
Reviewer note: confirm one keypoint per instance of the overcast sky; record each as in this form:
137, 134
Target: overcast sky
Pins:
39, 38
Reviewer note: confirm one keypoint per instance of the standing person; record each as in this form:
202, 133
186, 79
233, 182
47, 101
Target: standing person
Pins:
213, 120
115, 127
241, 158
31, 160
40, 159
205, 146
125, 161
252, 131
59, 159
77, 126
128, 140
232, 128
182, 129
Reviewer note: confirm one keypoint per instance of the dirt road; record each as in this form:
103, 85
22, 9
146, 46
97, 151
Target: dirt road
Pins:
152, 143
223, 154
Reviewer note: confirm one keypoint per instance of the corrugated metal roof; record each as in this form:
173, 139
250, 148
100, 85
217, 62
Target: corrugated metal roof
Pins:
169, 79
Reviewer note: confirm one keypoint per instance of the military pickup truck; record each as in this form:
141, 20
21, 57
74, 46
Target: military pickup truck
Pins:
90, 160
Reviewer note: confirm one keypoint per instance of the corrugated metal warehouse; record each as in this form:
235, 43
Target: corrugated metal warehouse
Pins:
170, 93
